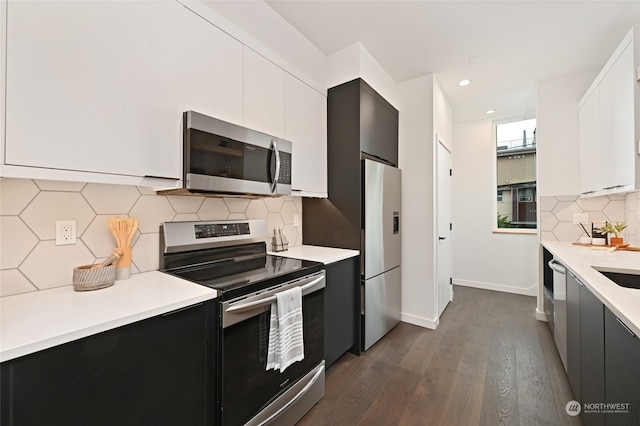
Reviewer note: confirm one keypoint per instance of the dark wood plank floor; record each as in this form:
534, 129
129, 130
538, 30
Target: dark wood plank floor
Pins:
490, 362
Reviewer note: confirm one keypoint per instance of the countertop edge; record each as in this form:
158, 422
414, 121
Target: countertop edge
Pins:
66, 333
622, 302
326, 255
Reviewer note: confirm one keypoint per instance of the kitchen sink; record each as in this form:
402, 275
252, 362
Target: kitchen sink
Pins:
624, 278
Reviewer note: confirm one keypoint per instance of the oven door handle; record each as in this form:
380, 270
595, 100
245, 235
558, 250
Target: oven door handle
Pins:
269, 300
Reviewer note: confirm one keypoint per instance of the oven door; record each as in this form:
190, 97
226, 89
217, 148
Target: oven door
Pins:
247, 387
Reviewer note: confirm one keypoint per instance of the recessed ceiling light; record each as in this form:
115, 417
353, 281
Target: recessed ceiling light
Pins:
463, 83
490, 111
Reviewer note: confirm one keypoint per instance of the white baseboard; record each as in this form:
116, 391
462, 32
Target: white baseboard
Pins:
541, 316
530, 291
420, 321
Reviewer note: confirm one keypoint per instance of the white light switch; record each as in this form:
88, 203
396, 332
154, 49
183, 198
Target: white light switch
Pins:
579, 218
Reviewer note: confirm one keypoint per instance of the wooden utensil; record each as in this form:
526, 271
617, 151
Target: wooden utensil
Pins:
118, 230
133, 227
117, 254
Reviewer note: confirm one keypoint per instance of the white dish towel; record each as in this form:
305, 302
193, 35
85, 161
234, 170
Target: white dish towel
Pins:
286, 342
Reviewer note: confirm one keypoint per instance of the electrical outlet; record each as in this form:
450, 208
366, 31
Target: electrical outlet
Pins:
65, 232
296, 220
579, 218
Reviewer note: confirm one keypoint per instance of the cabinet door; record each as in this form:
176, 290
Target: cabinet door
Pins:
378, 127
589, 143
213, 64
340, 309
622, 357
591, 354
622, 140
306, 128
573, 334
154, 372
263, 94
606, 142
93, 86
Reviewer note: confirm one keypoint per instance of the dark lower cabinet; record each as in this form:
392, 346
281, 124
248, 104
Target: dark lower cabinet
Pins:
591, 356
341, 311
157, 371
573, 334
622, 366
603, 360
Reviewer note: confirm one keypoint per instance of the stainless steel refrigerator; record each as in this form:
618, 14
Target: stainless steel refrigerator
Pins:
381, 255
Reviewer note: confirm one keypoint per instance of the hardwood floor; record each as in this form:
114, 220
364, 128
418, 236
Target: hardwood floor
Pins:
490, 362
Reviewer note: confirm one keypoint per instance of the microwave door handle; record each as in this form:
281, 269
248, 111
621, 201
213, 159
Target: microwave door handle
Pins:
274, 184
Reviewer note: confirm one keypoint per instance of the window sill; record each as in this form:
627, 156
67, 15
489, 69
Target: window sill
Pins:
515, 231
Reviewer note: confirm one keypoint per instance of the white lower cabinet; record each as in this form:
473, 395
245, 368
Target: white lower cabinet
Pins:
306, 127
91, 86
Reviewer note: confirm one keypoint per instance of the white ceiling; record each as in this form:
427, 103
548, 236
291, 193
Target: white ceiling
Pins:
516, 43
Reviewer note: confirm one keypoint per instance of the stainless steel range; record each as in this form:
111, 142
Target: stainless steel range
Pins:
231, 257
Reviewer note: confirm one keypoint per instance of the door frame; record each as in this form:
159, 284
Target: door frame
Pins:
440, 142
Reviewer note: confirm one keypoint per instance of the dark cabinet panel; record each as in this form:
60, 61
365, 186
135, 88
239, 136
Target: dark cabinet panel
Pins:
358, 120
622, 366
340, 309
156, 371
591, 355
573, 334
378, 126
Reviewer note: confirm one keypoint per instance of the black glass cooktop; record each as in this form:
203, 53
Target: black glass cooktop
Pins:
238, 277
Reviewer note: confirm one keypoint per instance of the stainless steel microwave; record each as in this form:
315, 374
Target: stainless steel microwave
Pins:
226, 158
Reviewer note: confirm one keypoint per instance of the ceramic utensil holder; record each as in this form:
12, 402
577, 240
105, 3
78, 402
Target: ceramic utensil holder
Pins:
123, 265
93, 277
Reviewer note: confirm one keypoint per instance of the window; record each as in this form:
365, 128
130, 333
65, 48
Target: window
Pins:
516, 174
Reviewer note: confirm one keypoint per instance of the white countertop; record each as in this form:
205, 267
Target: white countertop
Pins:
623, 302
39, 320
324, 255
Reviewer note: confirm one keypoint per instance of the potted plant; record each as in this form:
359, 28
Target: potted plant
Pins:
614, 229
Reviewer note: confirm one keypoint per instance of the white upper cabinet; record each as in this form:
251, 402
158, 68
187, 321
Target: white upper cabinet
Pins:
94, 87
589, 137
607, 125
623, 119
213, 67
306, 128
95, 92
263, 94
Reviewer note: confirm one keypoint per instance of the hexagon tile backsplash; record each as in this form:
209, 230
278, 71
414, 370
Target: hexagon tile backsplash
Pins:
30, 260
556, 215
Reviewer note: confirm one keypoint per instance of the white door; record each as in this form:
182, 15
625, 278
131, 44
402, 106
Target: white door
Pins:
443, 209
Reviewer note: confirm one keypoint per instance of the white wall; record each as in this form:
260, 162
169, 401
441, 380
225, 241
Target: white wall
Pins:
424, 111
482, 258
557, 133
355, 61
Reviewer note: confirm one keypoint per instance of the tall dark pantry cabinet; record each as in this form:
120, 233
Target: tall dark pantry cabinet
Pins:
361, 125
